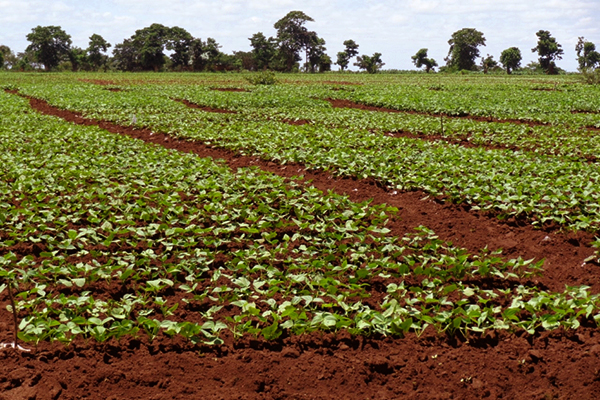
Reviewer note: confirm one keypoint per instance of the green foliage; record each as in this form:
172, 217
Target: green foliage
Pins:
96, 47
150, 43
511, 59
587, 56
316, 57
464, 48
49, 45
342, 60
488, 63
293, 36
7, 58
371, 64
125, 56
343, 57
420, 60
351, 48
548, 50
263, 50
179, 42
590, 76
262, 78
79, 59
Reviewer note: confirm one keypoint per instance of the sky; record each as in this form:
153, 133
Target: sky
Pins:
396, 29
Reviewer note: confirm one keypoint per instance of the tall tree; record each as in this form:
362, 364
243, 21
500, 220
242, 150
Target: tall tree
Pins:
371, 64
244, 60
351, 48
49, 45
96, 47
179, 42
464, 48
125, 56
420, 60
343, 57
548, 50
211, 55
78, 58
150, 43
511, 59
342, 60
263, 50
316, 57
198, 59
587, 56
293, 36
8, 57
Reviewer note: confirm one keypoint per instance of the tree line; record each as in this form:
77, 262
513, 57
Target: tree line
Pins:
464, 53
51, 48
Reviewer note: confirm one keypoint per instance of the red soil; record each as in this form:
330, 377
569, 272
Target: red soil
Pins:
205, 108
230, 89
556, 364
339, 103
101, 82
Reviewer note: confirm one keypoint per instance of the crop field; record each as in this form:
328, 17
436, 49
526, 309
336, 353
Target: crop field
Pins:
328, 236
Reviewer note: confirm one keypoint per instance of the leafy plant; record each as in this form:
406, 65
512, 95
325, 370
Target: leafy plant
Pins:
262, 78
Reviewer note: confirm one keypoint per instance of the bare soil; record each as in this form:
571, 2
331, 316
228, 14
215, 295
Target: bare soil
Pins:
549, 365
340, 103
205, 108
230, 89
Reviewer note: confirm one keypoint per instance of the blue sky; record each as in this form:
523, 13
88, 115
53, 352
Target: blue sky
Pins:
397, 29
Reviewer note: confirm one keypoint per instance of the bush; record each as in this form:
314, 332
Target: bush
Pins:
262, 78
591, 76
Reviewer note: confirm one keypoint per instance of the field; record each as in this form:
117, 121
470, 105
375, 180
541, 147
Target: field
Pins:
175, 236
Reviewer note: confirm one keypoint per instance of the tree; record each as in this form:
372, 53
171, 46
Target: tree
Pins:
150, 43
179, 41
263, 50
488, 63
96, 47
342, 60
8, 57
78, 58
420, 60
343, 57
370, 64
511, 59
293, 36
49, 45
548, 50
464, 48
125, 56
211, 55
325, 63
316, 56
351, 48
244, 60
587, 56
197, 54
